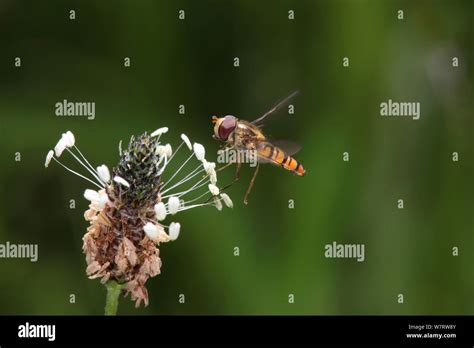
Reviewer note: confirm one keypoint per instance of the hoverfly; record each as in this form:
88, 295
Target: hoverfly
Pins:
242, 135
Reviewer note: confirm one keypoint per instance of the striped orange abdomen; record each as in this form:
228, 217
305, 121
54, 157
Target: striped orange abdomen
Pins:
277, 156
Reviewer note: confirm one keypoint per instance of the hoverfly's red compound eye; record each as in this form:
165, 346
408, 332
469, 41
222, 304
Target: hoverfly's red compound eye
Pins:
226, 127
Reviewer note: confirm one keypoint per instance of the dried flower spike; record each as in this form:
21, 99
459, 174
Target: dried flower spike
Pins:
126, 213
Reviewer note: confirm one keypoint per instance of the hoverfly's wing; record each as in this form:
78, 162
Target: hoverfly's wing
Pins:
290, 147
259, 121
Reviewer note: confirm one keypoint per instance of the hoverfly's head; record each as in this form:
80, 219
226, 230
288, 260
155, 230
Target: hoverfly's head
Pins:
223, 126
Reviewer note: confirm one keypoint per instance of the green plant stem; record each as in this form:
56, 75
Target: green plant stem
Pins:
112, 299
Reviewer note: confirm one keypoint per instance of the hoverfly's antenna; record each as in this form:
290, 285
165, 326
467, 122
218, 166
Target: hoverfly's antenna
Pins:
214, 119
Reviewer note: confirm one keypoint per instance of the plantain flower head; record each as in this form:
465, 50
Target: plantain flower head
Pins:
130, 204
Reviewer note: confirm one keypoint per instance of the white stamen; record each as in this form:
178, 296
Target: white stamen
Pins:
104, 173
199, 151
160, 150
210, 170
186, 141
163, 238
191, 189
164, 166
85, 160
213, 189
60, 147
174, 153
164, 150
70, 140
160, 211
195, 206
121, 181
228, 202
159, 131
66, 139
174, 230
88, 167
190, 175
103, 199
208, 166
49, 157
168, 150
173, 205
197, 185
152, 231
197, 198
76, 173
172, 177
213, 177
218, 203
91, 195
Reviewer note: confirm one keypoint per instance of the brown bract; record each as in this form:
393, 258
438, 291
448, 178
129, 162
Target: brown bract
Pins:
116, 248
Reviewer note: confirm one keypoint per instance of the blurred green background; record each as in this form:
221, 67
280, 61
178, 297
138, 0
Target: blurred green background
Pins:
190, 62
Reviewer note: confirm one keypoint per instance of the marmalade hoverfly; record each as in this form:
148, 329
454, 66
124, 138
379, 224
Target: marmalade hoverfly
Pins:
247, 136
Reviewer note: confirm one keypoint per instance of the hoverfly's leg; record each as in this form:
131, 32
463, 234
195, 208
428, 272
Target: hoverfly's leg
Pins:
225, 148
236, 178
224, 167
237, 171
251, 184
